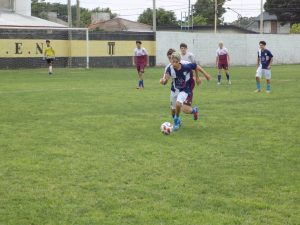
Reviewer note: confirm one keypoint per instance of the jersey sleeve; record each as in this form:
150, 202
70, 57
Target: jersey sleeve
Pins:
146, 53
191, 66
192, 58
270, 54
168, 70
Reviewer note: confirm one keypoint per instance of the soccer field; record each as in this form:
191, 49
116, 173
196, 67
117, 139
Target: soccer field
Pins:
83, 147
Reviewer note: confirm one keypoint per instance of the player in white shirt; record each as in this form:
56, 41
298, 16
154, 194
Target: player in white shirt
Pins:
222, 62
186, 55
140, 59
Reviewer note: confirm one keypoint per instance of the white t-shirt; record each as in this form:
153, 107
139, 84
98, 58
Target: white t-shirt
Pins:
140, 52
190, 57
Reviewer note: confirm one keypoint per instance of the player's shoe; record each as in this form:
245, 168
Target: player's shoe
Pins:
268, 91
257, 91
219, 83
177, 123
229, 82
50, 73
196, 113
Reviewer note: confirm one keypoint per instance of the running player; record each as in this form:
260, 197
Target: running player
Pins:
140, 60
222, 62
181, 88
264, 64
49, 55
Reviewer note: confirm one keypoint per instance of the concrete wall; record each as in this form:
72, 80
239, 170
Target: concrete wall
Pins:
242, 47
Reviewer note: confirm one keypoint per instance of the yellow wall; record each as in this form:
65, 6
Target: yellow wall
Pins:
66, 48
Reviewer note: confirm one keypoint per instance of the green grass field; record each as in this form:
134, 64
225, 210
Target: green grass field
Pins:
83, 147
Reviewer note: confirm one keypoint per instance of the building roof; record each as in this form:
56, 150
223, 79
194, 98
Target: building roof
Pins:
9, 18
120, 24
207, 28
267, 17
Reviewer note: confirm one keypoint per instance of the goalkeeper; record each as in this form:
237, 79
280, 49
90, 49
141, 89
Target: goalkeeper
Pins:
49, 55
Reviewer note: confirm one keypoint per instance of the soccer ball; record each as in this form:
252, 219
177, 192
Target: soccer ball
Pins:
166, 128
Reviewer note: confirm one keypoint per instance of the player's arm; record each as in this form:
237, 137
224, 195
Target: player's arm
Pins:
271, 62
201, 70
45, 55
133, 60
165, 78
258, 62
148, 60
217, 61
228, 59
197, 78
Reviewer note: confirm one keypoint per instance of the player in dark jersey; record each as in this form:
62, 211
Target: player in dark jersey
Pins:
182, 84
264, 63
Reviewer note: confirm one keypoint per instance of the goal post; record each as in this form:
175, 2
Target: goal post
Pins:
23, 47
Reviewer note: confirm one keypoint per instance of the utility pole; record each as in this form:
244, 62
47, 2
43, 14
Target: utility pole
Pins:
154, 15
69, 14
78, 14
216, 9
261, 28
189, 12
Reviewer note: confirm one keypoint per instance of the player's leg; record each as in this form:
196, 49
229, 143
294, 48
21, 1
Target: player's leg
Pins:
258, 78
49, 62
142, 70
138, 68
188, 109
219, 73
173, 98
227, 74
268, 79
181, 98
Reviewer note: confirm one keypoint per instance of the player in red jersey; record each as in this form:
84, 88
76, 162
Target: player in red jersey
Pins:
222, 62
140, 60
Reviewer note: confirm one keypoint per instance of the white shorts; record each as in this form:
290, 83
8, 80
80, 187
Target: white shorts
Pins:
265, 72
177, 97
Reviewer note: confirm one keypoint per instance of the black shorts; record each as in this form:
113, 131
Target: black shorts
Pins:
50, 60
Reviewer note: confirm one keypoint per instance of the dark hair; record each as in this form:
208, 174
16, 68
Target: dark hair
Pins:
183, 45
47, 41
138, 42
263, 43
170, 51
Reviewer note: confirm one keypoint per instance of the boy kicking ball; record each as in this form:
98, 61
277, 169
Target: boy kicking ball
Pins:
264, 63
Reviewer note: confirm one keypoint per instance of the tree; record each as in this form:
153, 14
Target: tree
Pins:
243, 21
206, 9
295, 28
285, 10
199, 20
163, 17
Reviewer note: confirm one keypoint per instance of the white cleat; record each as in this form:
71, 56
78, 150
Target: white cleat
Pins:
229, 82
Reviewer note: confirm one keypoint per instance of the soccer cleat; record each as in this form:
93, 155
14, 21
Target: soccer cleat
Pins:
177, 123
257, 91
219, 83
268, 91
196, 113
229, 82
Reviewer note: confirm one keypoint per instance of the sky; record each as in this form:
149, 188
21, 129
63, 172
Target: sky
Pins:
131, 9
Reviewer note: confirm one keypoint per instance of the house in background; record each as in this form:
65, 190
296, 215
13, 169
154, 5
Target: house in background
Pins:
119, 24
271, 25
17, 13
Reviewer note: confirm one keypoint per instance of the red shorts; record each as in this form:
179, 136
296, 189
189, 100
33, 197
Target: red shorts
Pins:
223, 66
140, 68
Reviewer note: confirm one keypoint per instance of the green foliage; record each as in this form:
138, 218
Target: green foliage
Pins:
285, 10
199, 20
206, 9
163, 17
40, 9
243, 21
295, 28
83, 147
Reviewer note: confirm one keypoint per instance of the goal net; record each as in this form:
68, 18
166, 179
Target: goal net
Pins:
23, 47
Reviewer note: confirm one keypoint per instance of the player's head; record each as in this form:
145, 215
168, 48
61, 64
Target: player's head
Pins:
175, 60
262, 45
138, 44
170, 52
221, 44
47, 42
183, 48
